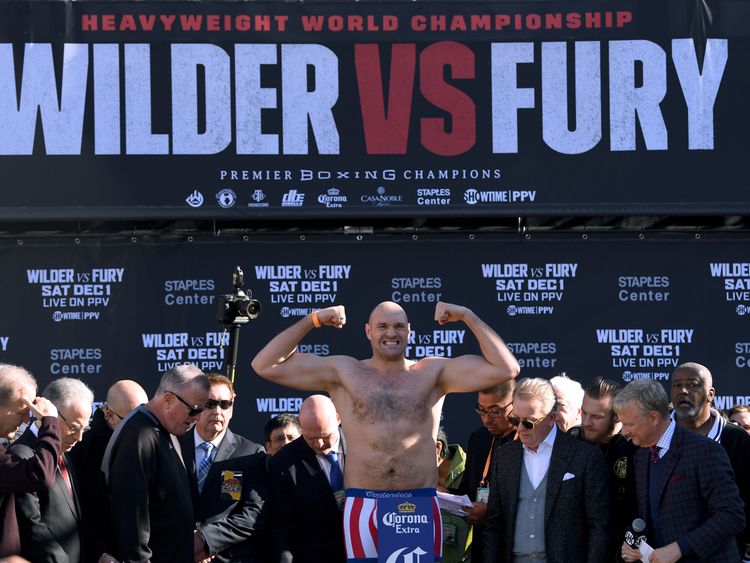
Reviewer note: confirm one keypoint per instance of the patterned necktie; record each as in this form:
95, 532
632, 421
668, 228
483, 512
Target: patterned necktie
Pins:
204, 464
64, 473
337, 477
655, 454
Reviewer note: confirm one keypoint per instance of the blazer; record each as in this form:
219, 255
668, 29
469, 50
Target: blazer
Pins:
576, 510
87, 460
736, 442
19, 475
49, 520
233, 529
699, 502
306, 523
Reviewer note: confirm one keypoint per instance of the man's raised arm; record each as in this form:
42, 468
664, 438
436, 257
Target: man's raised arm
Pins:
279, 361
496, 365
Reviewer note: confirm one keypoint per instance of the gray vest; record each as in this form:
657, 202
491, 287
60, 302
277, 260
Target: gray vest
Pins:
528, 537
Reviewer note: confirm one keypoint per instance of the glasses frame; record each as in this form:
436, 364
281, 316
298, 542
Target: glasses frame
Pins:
527, 423
118, 415
193, 410
213, 403
498, 412
73, 429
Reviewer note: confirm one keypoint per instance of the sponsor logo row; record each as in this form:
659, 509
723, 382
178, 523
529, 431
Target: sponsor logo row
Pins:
381, 197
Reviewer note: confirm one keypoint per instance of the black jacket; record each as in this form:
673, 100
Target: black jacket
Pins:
233, 529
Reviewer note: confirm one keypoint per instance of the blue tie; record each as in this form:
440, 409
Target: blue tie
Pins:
337, 477
204, 464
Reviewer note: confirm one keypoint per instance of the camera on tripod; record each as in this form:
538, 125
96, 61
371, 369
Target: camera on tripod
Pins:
237, 307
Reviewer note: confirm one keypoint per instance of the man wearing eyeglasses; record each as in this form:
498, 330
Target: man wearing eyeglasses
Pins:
50, 520
122, 397
150, 501
228, 482
493, 406
549, 498
390, 408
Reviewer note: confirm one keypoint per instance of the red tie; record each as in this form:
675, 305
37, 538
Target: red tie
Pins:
655, 454
64, 473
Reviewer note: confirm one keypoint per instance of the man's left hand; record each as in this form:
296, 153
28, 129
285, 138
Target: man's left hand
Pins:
667, 554
200, 549
448, 313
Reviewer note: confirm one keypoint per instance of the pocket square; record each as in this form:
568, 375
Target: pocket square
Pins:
568, 476
676, 479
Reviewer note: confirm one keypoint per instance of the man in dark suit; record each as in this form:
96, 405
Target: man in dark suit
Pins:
17, 398
548, 493
50, 520
684, 484
692, 395
150, 502
306, 489
228, 482
601, 426
493, 406
122, 397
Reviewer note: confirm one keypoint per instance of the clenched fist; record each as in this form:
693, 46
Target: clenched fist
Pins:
332, 316
449, 313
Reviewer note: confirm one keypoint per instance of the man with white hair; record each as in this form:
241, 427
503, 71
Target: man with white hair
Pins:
50, 520
150, 503
17, 399
684, 484
549, 497
569, 395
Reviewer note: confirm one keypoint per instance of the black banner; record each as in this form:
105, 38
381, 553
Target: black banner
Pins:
127, 110
623, 309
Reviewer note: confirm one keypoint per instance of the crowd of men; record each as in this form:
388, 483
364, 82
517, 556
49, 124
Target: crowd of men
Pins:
555, 473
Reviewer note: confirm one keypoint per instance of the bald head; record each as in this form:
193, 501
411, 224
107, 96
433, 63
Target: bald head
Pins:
319, 422
387, 308
122, 398
698, 370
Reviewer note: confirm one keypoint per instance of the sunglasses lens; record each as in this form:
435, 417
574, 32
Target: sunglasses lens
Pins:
514, 420
528, 424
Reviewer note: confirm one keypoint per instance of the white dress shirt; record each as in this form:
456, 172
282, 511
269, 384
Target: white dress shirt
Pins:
537, 463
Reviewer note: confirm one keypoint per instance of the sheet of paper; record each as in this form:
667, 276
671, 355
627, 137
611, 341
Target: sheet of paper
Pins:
455, 504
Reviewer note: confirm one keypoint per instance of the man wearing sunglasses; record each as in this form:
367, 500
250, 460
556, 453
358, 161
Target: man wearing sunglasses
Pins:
50, 520
390, 409
228, 482
150, 502
493, 406
549, 498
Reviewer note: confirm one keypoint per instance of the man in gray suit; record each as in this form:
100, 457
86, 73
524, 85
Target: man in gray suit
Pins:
228, 482
549, 498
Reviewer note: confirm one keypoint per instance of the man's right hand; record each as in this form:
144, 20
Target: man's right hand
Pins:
332, 316
41, 407
477, 514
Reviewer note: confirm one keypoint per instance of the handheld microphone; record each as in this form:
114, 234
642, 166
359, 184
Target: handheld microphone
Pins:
634, 535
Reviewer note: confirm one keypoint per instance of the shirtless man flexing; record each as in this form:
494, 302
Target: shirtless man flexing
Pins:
389, 406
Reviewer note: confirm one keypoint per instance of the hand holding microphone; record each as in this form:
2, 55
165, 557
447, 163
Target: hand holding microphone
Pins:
635, 547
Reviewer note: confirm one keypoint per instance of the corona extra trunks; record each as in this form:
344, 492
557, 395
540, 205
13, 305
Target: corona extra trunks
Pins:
393, 526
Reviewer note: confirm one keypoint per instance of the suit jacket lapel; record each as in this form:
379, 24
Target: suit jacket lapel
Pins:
225, 450
642, 460
514, 463
62, 487
559, 462
671, 458
316, 473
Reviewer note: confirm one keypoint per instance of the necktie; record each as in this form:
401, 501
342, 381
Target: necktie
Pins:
204, 464
64, 473
337, 477
655, 454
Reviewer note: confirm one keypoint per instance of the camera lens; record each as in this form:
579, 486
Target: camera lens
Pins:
250, 308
